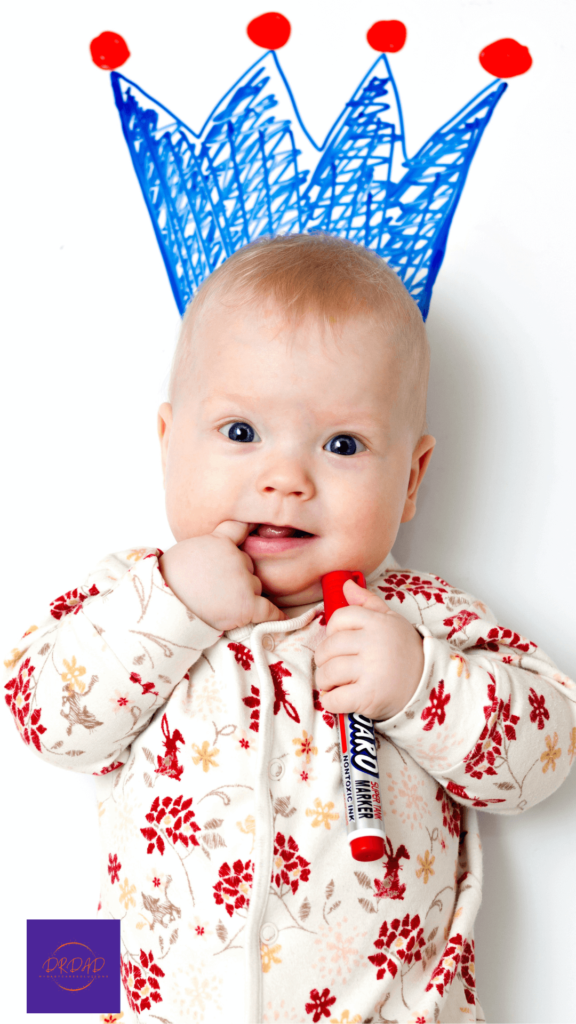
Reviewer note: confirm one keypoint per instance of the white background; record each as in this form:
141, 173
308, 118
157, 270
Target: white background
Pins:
88, 328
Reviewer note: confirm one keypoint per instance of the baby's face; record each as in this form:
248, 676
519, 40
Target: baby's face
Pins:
282, 425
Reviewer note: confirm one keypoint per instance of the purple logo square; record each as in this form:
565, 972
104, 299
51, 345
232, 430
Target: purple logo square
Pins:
73, 966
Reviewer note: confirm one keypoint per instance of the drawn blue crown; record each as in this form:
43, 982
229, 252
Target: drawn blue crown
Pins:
255, 170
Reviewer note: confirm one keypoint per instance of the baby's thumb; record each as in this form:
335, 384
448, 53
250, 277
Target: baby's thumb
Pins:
355, 594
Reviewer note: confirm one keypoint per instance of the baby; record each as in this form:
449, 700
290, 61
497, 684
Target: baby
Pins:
200, 685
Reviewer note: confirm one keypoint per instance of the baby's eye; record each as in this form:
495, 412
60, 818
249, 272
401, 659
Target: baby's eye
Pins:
345, 444
240, 431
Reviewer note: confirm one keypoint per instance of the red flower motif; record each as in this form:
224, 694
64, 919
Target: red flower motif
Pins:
459, 621
141, 983
320, 1004
253, 701
114, 867
539, 710
243, 655
234, 886
174, 818
398, 584
404, 938
459, 791
499, 635
277, 671
146, 687
109, 768
435, 710
169, 764
289, 867
18, 700
458, 957
500, 722
451, 812
71, 601
327, 717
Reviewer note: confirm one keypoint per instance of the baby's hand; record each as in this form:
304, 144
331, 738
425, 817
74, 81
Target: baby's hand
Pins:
215, 580
371, 659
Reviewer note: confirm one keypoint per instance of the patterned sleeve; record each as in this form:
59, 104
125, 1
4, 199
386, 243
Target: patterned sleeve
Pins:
493, 719
84, 682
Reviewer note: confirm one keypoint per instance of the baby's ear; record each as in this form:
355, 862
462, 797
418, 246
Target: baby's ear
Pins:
164, 427
420, 460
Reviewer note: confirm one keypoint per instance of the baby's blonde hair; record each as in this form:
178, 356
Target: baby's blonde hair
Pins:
328, 278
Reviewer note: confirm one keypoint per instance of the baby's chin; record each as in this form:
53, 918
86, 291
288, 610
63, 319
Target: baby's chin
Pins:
286, 590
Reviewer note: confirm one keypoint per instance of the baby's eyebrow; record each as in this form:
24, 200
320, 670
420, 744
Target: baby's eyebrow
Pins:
228, 397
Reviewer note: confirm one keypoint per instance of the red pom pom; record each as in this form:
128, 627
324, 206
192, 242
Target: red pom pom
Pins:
270, 31
109, 51
506, 58
387, 36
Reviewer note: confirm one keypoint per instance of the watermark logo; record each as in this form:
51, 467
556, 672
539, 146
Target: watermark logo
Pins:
73, 965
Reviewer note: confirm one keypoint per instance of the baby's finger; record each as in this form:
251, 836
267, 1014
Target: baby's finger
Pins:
233, 529
342, 701
352, 616
338, 644
265, 611
338, 672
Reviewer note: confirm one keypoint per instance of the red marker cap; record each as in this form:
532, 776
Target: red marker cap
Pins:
367, 848
332, 584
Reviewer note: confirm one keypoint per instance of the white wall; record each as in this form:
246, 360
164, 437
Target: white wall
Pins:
88, 326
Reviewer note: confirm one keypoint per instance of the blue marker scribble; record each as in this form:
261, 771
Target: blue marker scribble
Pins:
254, 170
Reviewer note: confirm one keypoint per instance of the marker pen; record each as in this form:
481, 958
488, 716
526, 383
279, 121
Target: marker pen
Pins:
358, 759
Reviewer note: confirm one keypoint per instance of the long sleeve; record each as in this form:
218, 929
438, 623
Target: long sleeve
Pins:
493, 719
86, 681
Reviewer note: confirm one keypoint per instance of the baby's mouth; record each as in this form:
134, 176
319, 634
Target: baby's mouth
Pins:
269, 530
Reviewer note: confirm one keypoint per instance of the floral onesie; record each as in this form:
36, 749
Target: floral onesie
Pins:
223, 836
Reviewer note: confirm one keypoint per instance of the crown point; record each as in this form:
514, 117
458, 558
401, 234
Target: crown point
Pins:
270, 31
387, 36
109, 51
505, 58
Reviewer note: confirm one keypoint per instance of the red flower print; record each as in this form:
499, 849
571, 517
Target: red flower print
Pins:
434, 711
146, 687
403, 939
277, 671
156, 882
253, 701
500, 723
18, 700
280, 697
174, 818
72, 601
458, 957
398, 584
459, 791
390, 886
320, 1004
141, 982
451, 812
289, 867
114, 868
233, 888
459, 621
327, 717
110, 768
499, 635
539, 710
169, 765
243, 655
